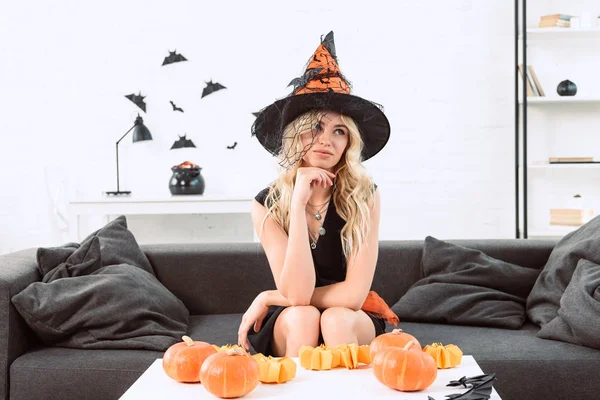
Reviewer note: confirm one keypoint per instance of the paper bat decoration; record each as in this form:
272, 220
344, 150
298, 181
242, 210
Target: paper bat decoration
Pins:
303, 80
175, 108
211, 88
173, 57
182, 142
138, 100
481, 390
233, 146
468, 382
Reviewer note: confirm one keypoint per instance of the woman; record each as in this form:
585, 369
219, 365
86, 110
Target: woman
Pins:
318, 222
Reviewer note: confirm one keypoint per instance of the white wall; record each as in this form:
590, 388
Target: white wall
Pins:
442, 69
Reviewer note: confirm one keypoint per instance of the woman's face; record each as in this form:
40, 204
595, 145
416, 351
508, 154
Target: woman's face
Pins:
329, 138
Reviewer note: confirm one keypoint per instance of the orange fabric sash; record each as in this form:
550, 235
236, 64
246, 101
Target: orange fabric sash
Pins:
377, 306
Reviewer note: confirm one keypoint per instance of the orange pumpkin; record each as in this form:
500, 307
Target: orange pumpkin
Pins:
228, 374
405, 369
182, 361
396, 338
447, 356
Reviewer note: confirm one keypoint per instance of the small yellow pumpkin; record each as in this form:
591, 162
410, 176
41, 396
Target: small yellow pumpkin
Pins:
226, 347
275, 370
447, 356
326, 357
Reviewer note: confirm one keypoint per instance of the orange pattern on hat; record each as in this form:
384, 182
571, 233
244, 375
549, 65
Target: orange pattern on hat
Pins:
329, 79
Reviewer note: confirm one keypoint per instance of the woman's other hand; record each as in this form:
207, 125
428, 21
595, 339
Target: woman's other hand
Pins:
255, 315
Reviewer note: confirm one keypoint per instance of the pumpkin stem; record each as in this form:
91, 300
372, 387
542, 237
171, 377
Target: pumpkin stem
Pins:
188, 340
408, 345
396, 331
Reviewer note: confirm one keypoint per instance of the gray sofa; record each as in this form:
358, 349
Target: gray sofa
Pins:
217, 282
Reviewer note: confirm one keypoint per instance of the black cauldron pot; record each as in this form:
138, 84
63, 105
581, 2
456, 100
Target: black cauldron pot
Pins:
186, 179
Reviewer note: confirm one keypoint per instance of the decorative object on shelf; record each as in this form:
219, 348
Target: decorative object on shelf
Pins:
138, 100
211, 88
175, 108
232, 146
186, 179
566, 88
182, 142
140, 133
173, 57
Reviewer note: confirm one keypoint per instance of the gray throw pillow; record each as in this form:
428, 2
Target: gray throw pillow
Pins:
83, 261
117, 245
544, 300
464, 286
82, 304
578, 319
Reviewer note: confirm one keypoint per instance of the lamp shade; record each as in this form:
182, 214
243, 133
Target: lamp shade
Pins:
141, 131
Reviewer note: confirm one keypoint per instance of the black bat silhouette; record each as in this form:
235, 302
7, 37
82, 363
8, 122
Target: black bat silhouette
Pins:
138, 100
173, 57
303, 80
175, 108
233, 146
211, 88
481, 390
468, 382
182, 142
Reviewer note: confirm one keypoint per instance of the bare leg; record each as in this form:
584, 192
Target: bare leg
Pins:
294, 328
340, 325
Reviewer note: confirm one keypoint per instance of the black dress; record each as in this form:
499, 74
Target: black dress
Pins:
330, 267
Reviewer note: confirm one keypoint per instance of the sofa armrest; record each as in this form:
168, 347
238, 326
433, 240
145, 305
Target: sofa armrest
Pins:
17, 271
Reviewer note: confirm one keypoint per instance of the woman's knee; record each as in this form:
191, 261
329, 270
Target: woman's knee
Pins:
302, 319
336, 319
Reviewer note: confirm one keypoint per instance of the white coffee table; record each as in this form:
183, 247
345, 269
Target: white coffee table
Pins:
335, 383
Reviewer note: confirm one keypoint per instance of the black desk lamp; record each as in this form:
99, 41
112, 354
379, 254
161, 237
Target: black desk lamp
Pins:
140, 133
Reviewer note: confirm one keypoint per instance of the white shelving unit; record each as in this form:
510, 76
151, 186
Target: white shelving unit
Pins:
561, 100
532, 33
552, 232
561, 126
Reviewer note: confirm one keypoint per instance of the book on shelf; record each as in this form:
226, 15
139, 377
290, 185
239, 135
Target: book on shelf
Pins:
536, 81
554, 21
570, 159
534, 87
565, 17
570, 216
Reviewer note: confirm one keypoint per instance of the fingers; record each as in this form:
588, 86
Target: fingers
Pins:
243, 335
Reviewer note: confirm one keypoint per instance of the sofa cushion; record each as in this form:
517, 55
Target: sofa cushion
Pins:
219, 329
467, 287
544, 300
578, 318
527, 367
49, 372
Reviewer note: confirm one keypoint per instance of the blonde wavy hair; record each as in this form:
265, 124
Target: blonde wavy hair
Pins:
354, 189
